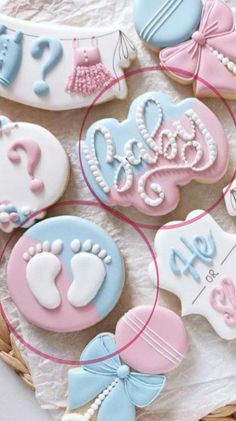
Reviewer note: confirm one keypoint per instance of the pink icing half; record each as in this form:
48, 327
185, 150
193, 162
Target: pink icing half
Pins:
171, 179
162, 345
65, 318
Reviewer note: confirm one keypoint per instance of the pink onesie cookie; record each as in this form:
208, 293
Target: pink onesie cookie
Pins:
108, 386
143, 160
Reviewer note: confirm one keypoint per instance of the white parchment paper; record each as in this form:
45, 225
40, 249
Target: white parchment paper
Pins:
207, 378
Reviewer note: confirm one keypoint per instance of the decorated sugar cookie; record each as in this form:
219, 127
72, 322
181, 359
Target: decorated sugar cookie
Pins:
108, 388
196, 261
57, 67
143, 160
199, 51
30, 181
69, 273
157, 23
230, 198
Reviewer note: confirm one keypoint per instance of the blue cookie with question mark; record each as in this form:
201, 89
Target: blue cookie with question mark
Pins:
163, 23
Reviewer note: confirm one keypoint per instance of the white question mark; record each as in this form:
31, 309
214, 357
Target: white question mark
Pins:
33, 152
41, 87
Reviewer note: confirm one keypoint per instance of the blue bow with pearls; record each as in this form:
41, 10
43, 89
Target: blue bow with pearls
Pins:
115, 389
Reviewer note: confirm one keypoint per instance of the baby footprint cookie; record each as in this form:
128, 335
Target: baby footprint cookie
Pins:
70, 274
30, 180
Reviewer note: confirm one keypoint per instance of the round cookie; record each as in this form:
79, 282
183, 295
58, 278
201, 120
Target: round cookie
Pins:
30, 180
158, 23
65, 274
162, 345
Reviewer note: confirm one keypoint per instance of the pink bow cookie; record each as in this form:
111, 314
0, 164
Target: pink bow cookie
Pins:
209, 57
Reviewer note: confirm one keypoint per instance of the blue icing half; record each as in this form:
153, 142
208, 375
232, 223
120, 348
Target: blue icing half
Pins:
10, 55
126, 130
68, 228
163, 23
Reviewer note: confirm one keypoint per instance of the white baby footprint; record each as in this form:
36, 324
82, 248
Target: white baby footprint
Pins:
43, 267
89, 272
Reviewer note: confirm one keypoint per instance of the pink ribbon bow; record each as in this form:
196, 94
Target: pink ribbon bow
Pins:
198, 55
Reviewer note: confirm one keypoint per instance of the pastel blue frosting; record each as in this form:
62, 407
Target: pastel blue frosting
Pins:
41, 87
67, 228
132, 389
126, 130
10, 55
175, 21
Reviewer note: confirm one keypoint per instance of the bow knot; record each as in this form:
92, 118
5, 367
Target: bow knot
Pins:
199, 38
123, 372
198, 55
110, 383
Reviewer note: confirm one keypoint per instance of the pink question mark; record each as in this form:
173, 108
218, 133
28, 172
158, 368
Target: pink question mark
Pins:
33, 152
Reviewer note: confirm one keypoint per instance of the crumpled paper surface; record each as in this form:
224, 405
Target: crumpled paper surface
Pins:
206, 379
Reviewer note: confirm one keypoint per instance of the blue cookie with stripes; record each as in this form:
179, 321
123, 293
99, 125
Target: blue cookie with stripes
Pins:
163, 23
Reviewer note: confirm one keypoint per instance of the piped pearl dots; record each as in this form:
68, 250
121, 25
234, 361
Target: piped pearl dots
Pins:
98, 402
231, 66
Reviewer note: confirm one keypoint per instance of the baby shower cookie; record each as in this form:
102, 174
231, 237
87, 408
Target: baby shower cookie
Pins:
196, 261
158, 22
143, 160
65, 274
30, 180
58, 67
110, 384
230, 198
208, 56
201, 50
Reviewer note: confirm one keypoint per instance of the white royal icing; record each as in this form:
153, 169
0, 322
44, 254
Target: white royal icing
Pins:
88, 267
196, 262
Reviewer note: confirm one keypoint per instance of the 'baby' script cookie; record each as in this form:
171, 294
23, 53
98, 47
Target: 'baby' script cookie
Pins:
143, 160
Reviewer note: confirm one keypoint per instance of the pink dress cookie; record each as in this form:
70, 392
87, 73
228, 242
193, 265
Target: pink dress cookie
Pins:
65, 274
108, 386
143, 160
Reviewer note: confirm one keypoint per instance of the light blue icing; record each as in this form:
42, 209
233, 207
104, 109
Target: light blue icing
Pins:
41, 88
126, 130
10, 55
10, 209
201, 248
163, 23
67, 228
4, 121
132, 389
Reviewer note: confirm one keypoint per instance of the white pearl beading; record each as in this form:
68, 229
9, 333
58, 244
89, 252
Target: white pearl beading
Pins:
230, 65
150, 156
94, 407
7, 128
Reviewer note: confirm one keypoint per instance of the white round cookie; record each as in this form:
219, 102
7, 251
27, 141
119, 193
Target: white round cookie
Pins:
34, 173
